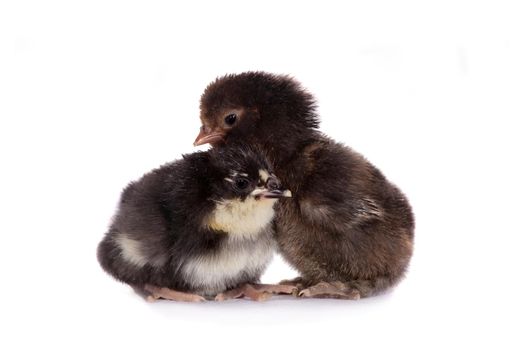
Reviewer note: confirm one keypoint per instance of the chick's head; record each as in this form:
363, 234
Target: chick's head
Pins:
254, 106
242, 172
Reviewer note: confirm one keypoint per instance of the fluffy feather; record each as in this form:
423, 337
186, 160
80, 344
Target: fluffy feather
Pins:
173, 229
346, 222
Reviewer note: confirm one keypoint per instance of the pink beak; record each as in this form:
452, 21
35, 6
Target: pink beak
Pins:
205, 137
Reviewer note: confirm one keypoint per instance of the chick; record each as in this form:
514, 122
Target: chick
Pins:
348, 230
196, 228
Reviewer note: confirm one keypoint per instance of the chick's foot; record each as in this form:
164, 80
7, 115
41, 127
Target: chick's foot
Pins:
335, 290
299, 283
276, 288
257, 292
170, 294
246, 290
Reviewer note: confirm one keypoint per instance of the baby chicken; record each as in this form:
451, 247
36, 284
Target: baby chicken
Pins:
348, 230
196, 228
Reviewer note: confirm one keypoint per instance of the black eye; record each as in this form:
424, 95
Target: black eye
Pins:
230, 119
241, 183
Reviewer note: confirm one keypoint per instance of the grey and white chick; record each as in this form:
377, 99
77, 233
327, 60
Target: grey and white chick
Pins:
348, 230
196, 228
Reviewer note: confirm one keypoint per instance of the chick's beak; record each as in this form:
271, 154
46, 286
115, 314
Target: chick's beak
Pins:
275, 194
208, 136
272, 189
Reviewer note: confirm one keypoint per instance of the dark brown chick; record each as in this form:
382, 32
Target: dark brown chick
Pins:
347, 230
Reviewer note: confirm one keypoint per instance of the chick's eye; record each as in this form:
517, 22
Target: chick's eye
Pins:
241, 183
230, 119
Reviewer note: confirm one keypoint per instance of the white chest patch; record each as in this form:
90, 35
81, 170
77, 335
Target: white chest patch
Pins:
246, 250
242, 219
212, 273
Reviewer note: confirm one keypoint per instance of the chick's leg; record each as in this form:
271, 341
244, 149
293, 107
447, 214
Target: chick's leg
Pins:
246, 290
257, 292
298, 282
336, 290
170, 294
276, 288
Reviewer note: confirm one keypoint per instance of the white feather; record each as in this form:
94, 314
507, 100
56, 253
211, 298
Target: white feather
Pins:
212, 273
264, 175
130, 250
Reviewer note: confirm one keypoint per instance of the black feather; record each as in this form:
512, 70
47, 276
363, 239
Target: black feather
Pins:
163, 215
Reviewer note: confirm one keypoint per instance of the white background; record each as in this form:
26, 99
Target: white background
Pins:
93, 94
